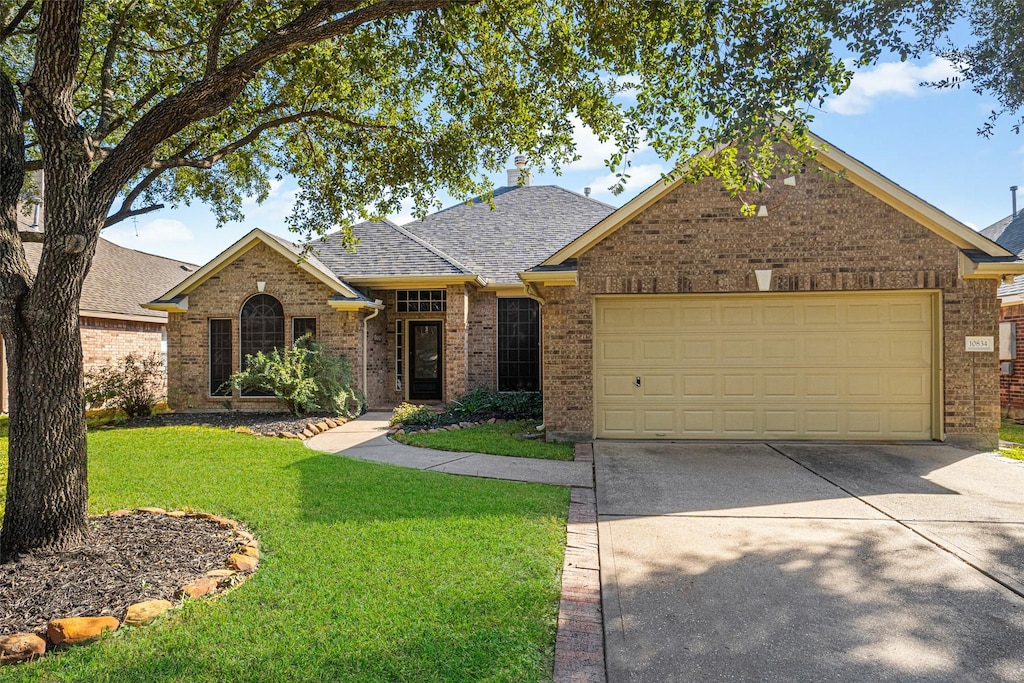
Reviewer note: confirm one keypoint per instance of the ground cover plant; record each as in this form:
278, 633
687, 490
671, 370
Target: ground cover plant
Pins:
1009, 430
496, 439
369, 573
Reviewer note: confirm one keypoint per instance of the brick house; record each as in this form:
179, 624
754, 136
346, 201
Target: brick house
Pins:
840, 311
111, 317
1009, 233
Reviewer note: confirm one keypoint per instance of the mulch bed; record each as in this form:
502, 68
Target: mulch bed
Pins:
258, 423
127, 560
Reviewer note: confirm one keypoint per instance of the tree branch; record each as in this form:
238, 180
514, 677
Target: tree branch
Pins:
106, 74
12, 26
180, 160
216, 31
211, 95
122, 214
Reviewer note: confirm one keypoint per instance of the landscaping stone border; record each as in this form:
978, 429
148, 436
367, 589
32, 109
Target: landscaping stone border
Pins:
309, 431
23, 647
579, 644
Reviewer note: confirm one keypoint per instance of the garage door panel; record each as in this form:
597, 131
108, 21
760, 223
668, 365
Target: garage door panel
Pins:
800, 366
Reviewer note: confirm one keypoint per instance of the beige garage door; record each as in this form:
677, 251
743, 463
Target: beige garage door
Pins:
771, 366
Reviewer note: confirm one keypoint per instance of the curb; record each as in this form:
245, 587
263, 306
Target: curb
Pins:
579, 644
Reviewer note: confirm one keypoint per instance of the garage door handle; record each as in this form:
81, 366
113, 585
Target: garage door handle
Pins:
637, 382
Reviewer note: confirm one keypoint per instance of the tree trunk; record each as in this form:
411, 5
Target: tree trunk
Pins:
47, 492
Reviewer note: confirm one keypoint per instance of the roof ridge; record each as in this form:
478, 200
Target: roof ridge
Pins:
427, 245
578, 194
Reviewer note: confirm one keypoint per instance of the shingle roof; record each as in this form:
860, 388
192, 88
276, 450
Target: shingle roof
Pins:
385, 249
121, 279
1008, 232
526, 226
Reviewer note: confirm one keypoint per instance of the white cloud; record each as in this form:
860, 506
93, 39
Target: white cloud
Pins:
972, 226
887, 79
405, 215
640, 178
591, 149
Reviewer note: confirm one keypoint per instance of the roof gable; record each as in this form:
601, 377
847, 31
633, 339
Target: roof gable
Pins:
310, 264
832, 159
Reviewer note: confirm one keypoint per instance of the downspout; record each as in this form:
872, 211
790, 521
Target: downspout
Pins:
531, 291
376, 311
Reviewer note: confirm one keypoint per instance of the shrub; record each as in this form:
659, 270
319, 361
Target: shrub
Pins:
408, 414
518, 405
133, 384
305, 378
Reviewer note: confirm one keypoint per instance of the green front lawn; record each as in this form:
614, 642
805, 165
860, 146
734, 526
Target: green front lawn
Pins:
370, 572
1011, 431
495, 439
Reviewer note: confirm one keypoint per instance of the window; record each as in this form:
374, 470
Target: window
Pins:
261, 326
399, 354
421, 300
303, 326
518, 345
220, 356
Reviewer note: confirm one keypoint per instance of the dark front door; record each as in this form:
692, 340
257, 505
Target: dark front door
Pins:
425, 360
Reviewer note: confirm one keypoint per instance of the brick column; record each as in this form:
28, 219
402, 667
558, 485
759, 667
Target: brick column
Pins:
456, 345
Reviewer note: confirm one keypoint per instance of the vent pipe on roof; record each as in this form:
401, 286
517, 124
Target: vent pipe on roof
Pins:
586, 191
1013, 194
519, 172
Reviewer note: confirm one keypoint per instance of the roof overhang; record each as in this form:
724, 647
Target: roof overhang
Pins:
343, 304
155, 320
415, 281
550, 278
1011, 300
828, 157
239, 248
178, 304
506, 289
994, 269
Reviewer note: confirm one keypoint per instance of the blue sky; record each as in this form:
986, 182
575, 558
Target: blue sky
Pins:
923, 139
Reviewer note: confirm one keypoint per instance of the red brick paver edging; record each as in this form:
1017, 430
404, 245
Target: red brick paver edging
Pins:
579, 645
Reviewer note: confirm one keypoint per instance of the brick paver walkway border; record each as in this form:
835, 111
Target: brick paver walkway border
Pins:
579, 645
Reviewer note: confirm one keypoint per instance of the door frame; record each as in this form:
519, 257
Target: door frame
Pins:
410, 338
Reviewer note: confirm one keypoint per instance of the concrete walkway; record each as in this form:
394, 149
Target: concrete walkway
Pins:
366, 439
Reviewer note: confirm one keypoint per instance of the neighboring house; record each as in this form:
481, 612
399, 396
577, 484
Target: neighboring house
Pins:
113, 322
841, 311
1009, 232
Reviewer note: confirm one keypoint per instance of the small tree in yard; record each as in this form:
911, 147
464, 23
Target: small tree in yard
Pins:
368, 104
132, 384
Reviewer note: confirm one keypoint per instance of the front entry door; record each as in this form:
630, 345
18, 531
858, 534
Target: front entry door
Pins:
425, 360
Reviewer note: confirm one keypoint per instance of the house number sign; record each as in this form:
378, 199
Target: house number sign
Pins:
981, 344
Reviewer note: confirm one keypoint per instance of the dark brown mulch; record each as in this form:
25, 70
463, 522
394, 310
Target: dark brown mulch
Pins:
127, 560
259, 423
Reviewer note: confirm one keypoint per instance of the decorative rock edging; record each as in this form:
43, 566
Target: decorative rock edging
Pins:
579, 644
60, 633
423, 429
310, 430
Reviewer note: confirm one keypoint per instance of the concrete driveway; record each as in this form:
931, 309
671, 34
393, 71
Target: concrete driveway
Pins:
810, 562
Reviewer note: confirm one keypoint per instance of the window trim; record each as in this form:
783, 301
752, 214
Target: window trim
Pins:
316, 326
498, 339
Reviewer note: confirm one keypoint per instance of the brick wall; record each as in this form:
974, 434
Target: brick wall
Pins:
222, 296
104, 341
824, 234
1011, 387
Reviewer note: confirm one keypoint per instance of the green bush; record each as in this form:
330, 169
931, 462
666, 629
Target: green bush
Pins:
305, 378
133, 384
519, 405
408, 414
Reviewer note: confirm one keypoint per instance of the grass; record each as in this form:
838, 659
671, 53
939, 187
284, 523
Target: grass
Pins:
495, 439
1011, 431
370, 572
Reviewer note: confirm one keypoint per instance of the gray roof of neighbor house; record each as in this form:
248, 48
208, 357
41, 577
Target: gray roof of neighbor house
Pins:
121, 279
1009, 233
384, 249
527, 225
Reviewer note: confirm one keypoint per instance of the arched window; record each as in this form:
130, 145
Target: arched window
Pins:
261, 325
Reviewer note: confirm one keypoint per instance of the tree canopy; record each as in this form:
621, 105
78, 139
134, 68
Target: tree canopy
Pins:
128, 105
